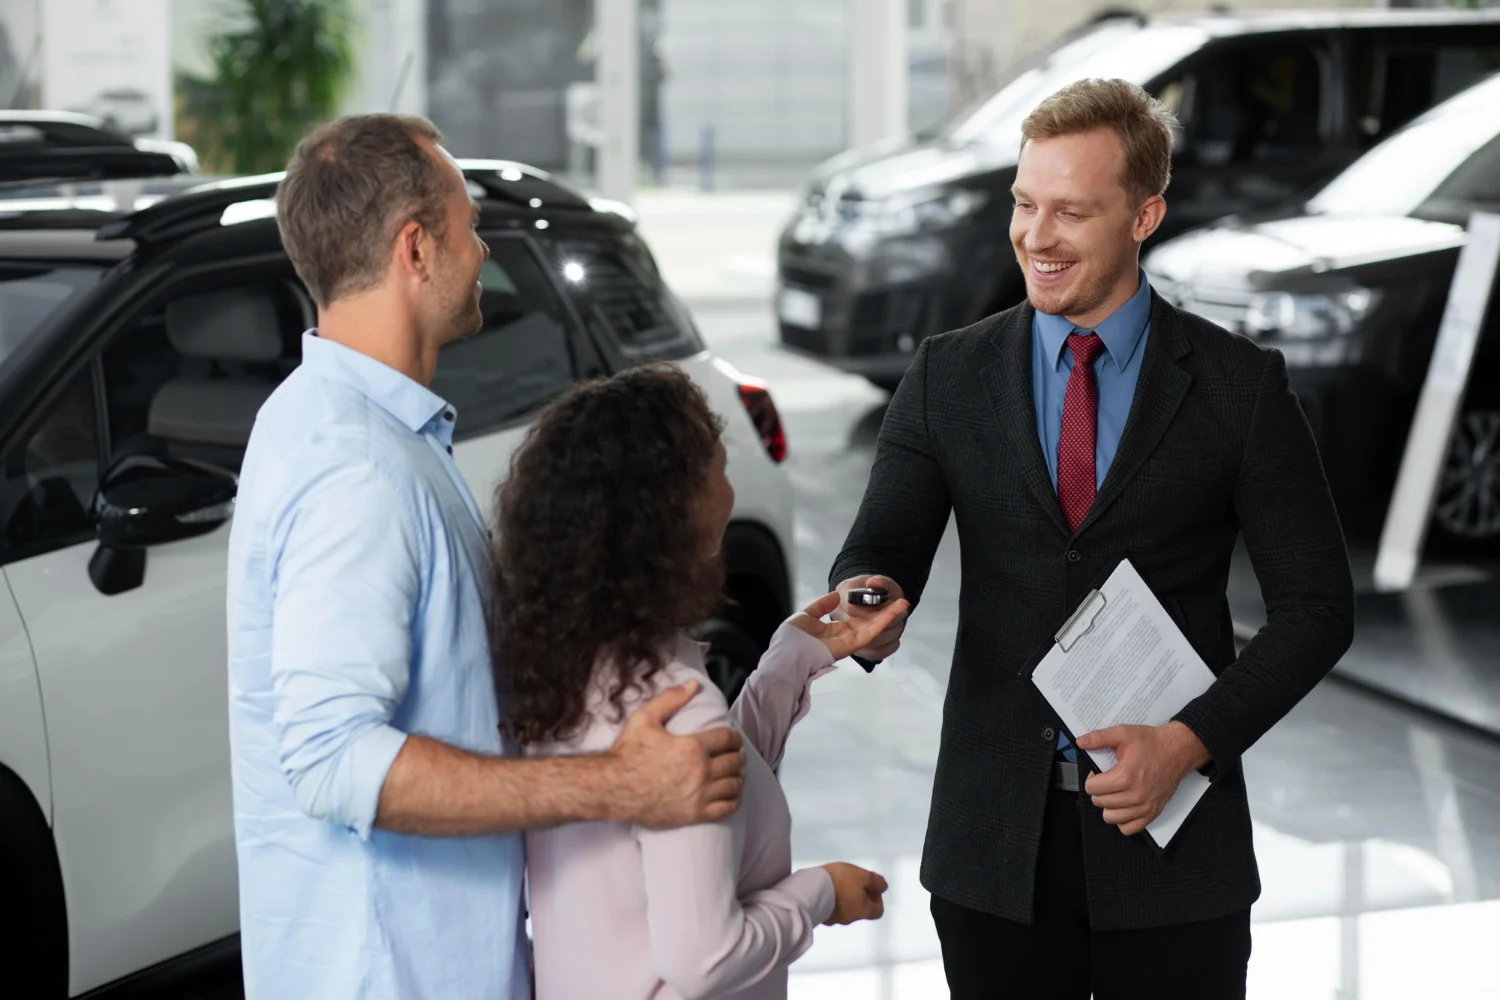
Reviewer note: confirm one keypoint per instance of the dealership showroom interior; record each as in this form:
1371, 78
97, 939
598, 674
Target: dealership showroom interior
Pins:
1099, 400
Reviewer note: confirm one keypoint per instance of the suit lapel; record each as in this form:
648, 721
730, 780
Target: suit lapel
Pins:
1008, 381
1159, 392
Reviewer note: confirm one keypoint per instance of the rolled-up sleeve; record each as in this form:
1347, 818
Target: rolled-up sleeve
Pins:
345, 563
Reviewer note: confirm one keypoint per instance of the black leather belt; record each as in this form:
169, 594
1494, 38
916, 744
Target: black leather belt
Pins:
1065, 776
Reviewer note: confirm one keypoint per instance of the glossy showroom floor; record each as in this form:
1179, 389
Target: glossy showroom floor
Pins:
1378, 836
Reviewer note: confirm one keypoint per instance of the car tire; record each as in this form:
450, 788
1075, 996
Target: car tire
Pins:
1466, 511
732, 654
34, 945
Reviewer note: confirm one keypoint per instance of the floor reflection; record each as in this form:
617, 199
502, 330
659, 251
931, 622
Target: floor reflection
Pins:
1378, 834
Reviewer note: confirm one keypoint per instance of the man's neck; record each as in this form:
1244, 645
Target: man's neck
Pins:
373, 329
1124, 291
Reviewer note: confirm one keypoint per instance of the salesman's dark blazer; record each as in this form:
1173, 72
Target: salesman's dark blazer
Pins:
1215, 445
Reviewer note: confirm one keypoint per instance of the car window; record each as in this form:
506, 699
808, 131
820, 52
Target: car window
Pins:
1402, 172
30, 294
615, 283
1114, 49
1474, 186
1249, 105
47, 481
188, 377
521, 358
1394, 80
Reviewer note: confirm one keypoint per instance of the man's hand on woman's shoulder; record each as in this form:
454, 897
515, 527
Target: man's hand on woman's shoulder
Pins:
663, 780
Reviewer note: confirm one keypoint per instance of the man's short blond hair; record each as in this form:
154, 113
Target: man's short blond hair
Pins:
1143, 124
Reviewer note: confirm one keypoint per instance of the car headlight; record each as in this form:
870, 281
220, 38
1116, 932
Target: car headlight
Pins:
1309, 316
912, 214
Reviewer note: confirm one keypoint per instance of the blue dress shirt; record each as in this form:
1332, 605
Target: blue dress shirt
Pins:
359, 569
1115, 372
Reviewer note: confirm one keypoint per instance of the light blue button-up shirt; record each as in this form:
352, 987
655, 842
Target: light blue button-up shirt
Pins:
1115, 372
359, 568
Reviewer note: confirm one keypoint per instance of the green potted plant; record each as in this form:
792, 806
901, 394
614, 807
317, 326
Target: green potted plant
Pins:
281, 69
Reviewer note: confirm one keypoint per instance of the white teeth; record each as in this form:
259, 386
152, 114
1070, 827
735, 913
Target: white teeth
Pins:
1053, 268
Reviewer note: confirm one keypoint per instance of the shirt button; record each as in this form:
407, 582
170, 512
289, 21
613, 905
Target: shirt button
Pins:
450, 449
1074, 556
448, 416
1049, 734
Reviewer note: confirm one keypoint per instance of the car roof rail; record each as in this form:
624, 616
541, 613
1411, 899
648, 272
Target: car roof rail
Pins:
85, 164
520, 184
195, 209
202, 207
60, 145
60, 128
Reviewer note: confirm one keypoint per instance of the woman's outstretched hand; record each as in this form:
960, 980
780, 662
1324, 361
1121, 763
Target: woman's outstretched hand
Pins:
846, 637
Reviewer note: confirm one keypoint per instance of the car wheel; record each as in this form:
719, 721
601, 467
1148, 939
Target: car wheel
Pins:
34, 944
1466, 512
732, 654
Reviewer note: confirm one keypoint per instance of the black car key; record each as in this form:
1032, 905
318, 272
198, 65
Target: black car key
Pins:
868, 597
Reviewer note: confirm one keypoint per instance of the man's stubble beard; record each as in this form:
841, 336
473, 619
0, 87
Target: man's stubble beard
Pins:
1081, 299
465, 318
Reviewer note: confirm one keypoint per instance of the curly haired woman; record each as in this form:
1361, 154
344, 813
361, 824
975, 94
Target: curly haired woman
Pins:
610, 525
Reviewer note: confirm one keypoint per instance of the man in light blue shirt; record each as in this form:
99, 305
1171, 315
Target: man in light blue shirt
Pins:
376, 809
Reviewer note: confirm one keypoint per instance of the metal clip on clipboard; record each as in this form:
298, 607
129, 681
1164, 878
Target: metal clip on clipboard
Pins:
1081, 622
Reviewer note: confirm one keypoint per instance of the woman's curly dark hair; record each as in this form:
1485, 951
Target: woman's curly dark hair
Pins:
601, 549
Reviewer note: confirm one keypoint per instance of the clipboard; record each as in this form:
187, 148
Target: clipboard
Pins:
1120, 659
1081, 621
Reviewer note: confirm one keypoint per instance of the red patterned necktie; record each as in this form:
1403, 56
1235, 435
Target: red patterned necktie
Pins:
1077, 476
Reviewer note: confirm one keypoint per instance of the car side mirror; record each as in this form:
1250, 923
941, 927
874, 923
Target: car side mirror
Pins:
147, 500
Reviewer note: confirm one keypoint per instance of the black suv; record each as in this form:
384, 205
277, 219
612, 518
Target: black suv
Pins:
1352, 291
890, 247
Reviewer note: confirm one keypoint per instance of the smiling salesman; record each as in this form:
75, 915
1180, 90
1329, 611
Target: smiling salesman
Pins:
1093, 423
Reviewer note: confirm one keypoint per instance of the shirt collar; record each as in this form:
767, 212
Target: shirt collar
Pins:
1121, 332
408, 401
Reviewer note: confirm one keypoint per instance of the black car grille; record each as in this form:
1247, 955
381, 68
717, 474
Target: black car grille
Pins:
807, 277
815, 341
880, 318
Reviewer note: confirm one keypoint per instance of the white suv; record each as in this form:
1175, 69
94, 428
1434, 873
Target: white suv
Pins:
135, 351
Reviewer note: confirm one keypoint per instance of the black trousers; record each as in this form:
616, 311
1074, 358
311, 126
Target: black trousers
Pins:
1058, 957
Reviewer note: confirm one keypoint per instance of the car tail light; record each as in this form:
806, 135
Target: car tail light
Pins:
757, 400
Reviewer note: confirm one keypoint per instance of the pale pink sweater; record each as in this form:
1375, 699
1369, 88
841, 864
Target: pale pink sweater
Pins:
715, 910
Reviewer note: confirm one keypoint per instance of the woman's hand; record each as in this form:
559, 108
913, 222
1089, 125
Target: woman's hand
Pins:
857, 893
846, 637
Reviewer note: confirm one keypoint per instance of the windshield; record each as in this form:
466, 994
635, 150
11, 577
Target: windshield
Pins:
32, 293
1114, 49
1405, 170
